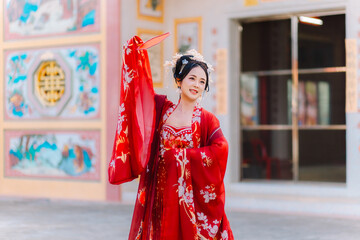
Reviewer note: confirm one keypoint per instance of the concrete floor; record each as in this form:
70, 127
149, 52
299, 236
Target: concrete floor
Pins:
43, 219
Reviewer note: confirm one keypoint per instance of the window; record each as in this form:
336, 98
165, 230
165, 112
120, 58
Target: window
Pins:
292, 93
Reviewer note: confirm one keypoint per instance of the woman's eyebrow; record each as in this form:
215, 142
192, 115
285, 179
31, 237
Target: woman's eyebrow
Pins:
196, 76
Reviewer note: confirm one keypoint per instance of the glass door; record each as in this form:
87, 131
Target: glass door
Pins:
292, 93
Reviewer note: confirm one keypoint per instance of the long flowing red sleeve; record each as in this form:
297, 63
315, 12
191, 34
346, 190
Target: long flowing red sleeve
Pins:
136, 121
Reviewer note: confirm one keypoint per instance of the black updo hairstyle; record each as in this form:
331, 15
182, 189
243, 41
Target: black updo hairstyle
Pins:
181, 70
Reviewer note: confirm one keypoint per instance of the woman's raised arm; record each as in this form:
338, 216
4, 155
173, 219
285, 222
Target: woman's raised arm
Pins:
136, 121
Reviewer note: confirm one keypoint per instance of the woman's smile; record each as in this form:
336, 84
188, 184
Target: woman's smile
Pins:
193, 91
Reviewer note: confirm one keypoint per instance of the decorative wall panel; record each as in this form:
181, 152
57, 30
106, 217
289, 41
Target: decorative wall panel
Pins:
60, 83
24, 19
53, 154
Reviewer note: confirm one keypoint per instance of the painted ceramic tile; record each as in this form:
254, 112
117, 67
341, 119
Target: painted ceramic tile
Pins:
34, 18
53, 83
74, 155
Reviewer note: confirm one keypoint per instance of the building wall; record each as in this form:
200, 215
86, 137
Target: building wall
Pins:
220, 30
57, 150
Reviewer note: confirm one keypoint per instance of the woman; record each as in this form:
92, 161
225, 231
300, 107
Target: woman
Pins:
178, 150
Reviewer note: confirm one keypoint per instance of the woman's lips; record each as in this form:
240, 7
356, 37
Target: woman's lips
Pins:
193, 91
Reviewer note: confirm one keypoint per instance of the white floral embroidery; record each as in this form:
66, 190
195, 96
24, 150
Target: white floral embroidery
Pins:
127, 79
181, 187
211, 229
125, 83
208, 194
224, 235
121, 118
206, 160
168, 112
189, 197
128, 51
179, 154
126, 67
181, 158
185, 161
129, 75
188, 137
202, 217
197, 114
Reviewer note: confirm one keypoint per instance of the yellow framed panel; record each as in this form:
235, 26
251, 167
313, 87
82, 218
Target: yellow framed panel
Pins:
156, 56
188, 34
150, 10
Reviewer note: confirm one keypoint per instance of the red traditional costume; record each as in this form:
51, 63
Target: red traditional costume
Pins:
181, 191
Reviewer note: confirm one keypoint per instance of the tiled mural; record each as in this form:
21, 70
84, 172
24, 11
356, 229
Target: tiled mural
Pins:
32, 18
60, 83
53, 154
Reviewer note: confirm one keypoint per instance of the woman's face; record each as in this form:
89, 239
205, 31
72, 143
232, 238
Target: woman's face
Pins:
193, 85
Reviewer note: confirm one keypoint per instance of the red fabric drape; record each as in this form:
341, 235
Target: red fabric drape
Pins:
136, 120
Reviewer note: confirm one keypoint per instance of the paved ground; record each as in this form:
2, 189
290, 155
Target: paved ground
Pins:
43, 219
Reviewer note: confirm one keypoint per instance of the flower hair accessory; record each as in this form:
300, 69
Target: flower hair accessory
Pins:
195, 56
184, 62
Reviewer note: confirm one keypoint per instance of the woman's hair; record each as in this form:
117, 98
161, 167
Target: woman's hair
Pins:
184, 65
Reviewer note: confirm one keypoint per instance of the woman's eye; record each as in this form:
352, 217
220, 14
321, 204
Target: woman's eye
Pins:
202, 82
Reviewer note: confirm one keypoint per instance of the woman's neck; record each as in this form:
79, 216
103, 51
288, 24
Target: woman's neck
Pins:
186, 106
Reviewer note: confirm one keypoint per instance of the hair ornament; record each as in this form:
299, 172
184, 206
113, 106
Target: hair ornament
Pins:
195, 56
184, 62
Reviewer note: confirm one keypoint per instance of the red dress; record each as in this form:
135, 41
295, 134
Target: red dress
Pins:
181, 191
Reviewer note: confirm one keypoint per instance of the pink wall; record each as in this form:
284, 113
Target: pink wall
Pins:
113, 68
